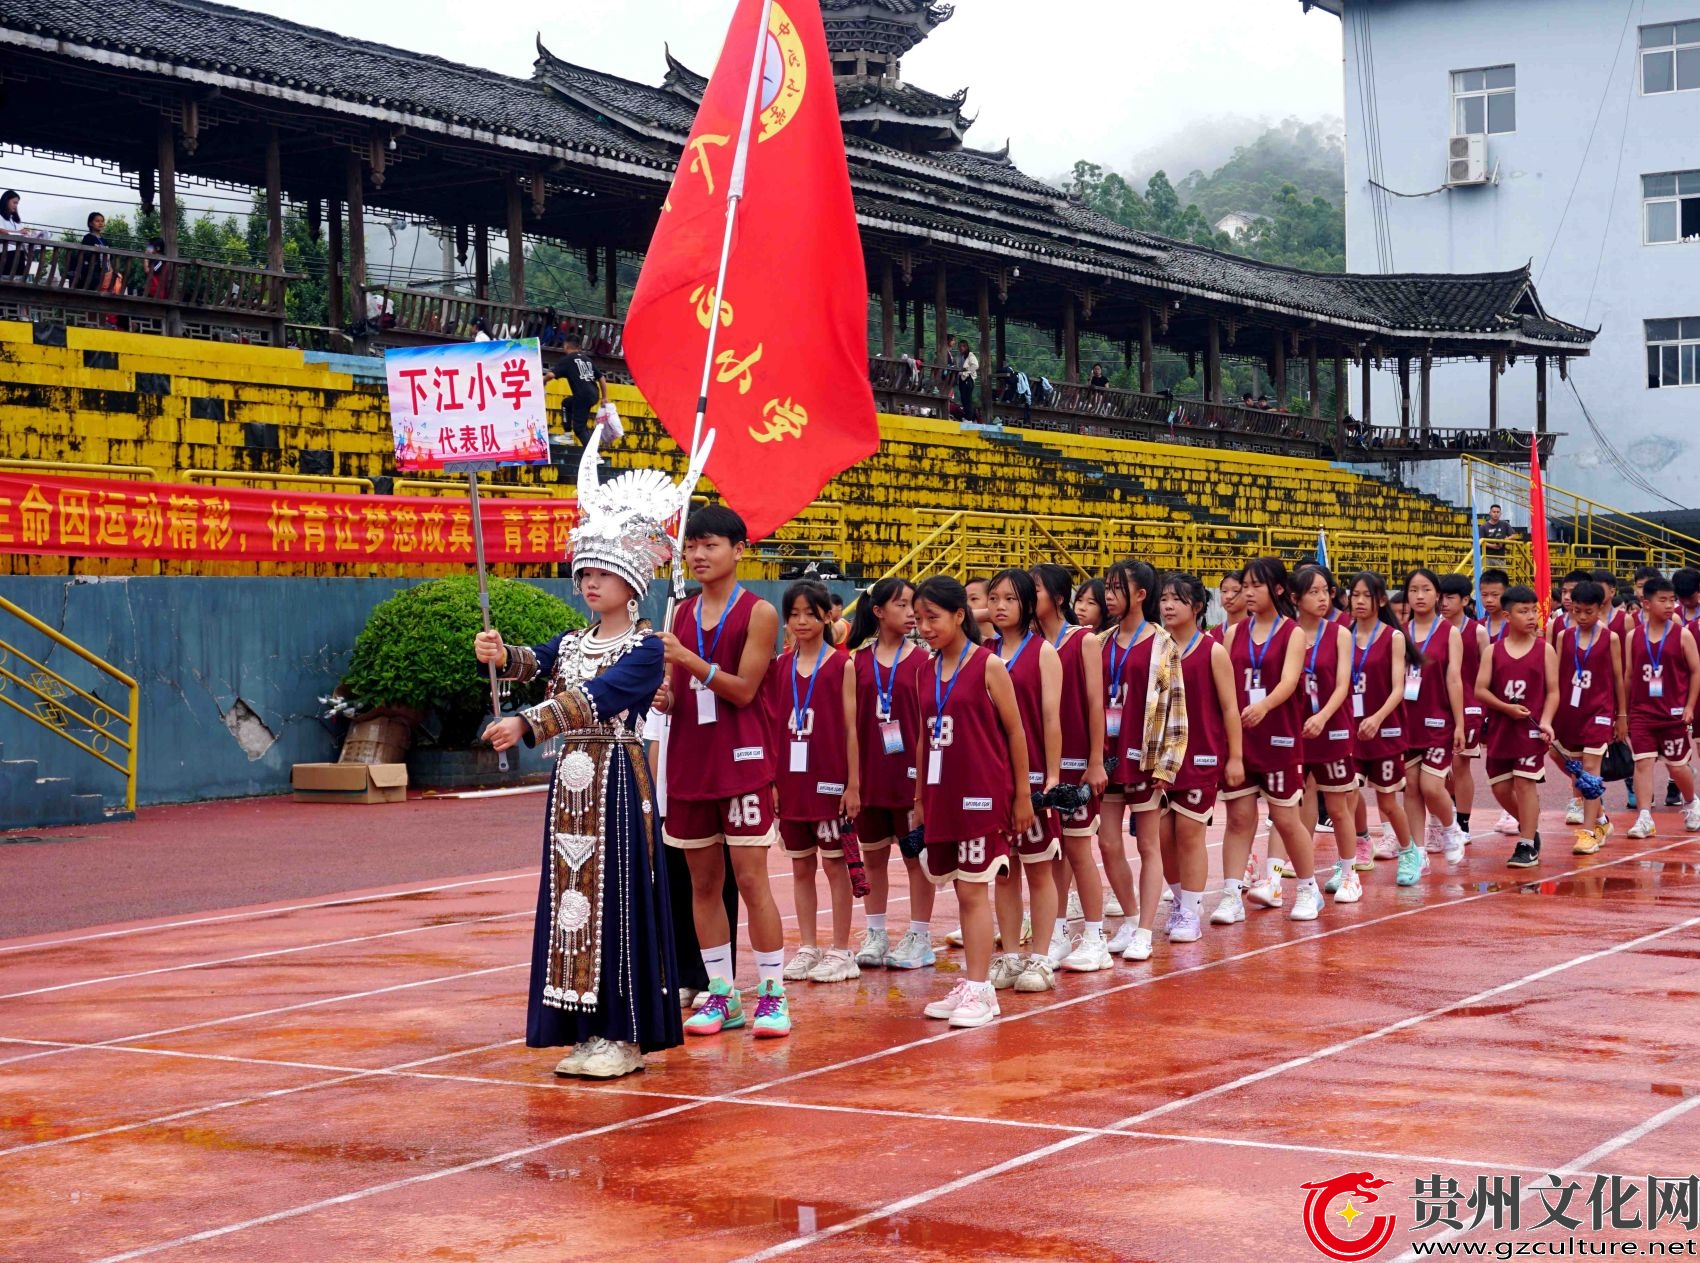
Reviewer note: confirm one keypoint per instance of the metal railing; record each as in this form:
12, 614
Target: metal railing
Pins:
105, 276
457, 487
23, 466
328, 482
51, 701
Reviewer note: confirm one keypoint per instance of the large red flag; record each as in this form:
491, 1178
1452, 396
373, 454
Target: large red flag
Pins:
789, 397
1538, 530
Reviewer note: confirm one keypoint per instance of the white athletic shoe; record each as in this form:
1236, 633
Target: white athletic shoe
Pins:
1005, 970
979, 1006
1174, 918
1507, 824
1691, 816
954, 938
1386, 846
1643, 826
1434, 837
1112, 905
1230, 910
1040, 975
1061, 945
1573, 813
1168, 896
943, 1008
1455, 840
1075, 911
800, 966
1351, 889
876, 945
612, 1061
913, 951
1121, 938
1139, 948
1186, 928
1306, 904
573, 1063
1090, 955
1265, 894
836, 966
1325, 826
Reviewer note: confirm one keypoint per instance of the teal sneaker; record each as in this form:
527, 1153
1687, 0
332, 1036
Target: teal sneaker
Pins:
1413, 863
773, 1011
724, 1011
1332, 885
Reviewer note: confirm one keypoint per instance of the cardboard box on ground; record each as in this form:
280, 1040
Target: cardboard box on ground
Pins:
350, 782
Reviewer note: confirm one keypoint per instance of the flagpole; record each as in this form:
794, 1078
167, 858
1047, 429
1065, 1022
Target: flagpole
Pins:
734, 195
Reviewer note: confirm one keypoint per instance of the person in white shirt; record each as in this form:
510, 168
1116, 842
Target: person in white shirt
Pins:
968, 369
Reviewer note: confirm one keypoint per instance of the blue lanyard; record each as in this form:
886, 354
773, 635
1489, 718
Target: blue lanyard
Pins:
1422, 649
941, 694
1257, 652
1647, 640
1019, 649
1310, 667
884, 691
1582, 654
1061, 633
708, 654
1116, 664
1497, 636
798, 714
1360, 657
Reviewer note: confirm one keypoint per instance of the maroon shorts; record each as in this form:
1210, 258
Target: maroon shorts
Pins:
1283, 787
1385, 775
1138, 794
978, 859
802, 838
1671, 742
1082, 822
745, 820
1043, 841
1336, 776
1435, 760
1531, 767
1575, 734
1474, 720
881, 826
1194, 804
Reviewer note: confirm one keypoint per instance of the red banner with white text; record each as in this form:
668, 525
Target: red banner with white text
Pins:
92, 517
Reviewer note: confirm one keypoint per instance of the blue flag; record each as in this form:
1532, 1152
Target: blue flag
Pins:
1321, 547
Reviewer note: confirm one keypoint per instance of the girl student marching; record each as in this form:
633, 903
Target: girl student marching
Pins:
1035, 672
1213, 750
1146, 728
1378, 710
1081, 715
1089, 605
1267, 652
971, 788
889, 671
811, 695
1434, 717
1331, 770
1231, 592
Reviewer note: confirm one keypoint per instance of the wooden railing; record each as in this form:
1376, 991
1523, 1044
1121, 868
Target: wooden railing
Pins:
452, 317
1389, 442
117, 280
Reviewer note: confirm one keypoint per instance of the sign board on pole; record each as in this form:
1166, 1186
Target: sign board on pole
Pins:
467, 401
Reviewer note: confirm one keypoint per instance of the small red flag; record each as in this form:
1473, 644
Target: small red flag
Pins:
788, 396
1538, 530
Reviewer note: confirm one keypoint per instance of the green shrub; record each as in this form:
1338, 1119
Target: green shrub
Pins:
416, 647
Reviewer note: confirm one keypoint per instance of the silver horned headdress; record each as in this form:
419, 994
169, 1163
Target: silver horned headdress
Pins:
622, 523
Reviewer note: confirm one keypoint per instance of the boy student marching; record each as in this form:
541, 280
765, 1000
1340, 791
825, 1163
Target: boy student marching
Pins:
1145, 727
1663, 682
721, 768
1455, 608
971, 791
811, 694
1434, 716
1081, 718
1378, 710
889, 672
1330, 768
1519, 682
1035, 673
1213, 751
1267, 653
1493, 585
1592, 707
1560, 619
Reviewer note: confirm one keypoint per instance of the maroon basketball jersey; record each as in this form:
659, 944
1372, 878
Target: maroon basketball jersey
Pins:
1584, 672
1324, 667
709, 762
970, 797
810, 732
1471, 663
1372, 682
888, 779
1620, 621
1274, 743
1075, 708
1655, 662
1519, 682
1429, 717
1206, 731
1027, 677
1129, 742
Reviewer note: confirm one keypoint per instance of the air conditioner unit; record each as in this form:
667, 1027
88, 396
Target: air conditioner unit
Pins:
1466, 161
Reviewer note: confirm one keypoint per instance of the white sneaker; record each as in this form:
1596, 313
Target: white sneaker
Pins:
802, 964
1351, 889
1507, 824
1040, 975
943, 1008
1325, 826
1434, 837
954, 938
836, 966
1573, 813
1253, 866
1386, 846
1112, 905
1186, 928
1266, 894
1306, 904
1004, 971
1090, 955
876, 945
1691, 816
1061, 945
913, 951
573, 1063
1075, 911
1140, 946
1230, 910
1455, 841
978, 1007
1173, 919
612, 1061
1168, 896
1121, 938
1643, 826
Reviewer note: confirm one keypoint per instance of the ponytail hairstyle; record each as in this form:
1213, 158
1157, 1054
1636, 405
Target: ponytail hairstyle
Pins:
1378, 593
1304, 578
1131, 574
1189, 588
1059, 583
950, 596
1026, 595
865, 624
819, 601
1271, 572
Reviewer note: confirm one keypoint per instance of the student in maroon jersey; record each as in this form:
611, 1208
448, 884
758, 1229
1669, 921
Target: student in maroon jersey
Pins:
721, 767
1434, 716
979, 601
811, 694
1592, 708
1089, 605
1331, 769
1686, 583
1617, 617
1455, 607
1560, 620
889, 668
1494, 583
1231, 592
1081, 714
1267, 653
1213, 751
1519, 682
972, 796
1378, 710
1662, 680
1035, 672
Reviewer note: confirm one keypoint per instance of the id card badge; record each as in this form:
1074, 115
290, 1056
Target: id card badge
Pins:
1113, 723
1256, 695
1656, 685
1575, 696
891, 732
1311, 690
799, 756
1413, 684
706, 712
935, 766
1357, 705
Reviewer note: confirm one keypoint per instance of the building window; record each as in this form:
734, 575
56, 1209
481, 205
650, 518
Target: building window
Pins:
1673, 352
1670, 57
1672, 207
1484, 102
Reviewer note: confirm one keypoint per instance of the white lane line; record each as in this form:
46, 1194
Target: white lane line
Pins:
903, 1205
45, 944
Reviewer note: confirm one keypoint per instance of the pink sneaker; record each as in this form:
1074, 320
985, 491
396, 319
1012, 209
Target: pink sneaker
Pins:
977, 1008
1365, 861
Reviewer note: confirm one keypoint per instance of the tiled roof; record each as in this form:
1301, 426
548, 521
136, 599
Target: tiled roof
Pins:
903, 98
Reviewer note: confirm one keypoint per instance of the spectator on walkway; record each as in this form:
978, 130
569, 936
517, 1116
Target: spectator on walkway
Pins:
14, 250
480, 329
158, 282
967, 369
1495, 531
1100, 380
94, 267
585, 382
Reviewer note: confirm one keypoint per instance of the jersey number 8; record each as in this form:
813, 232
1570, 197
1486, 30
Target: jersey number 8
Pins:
945, 732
